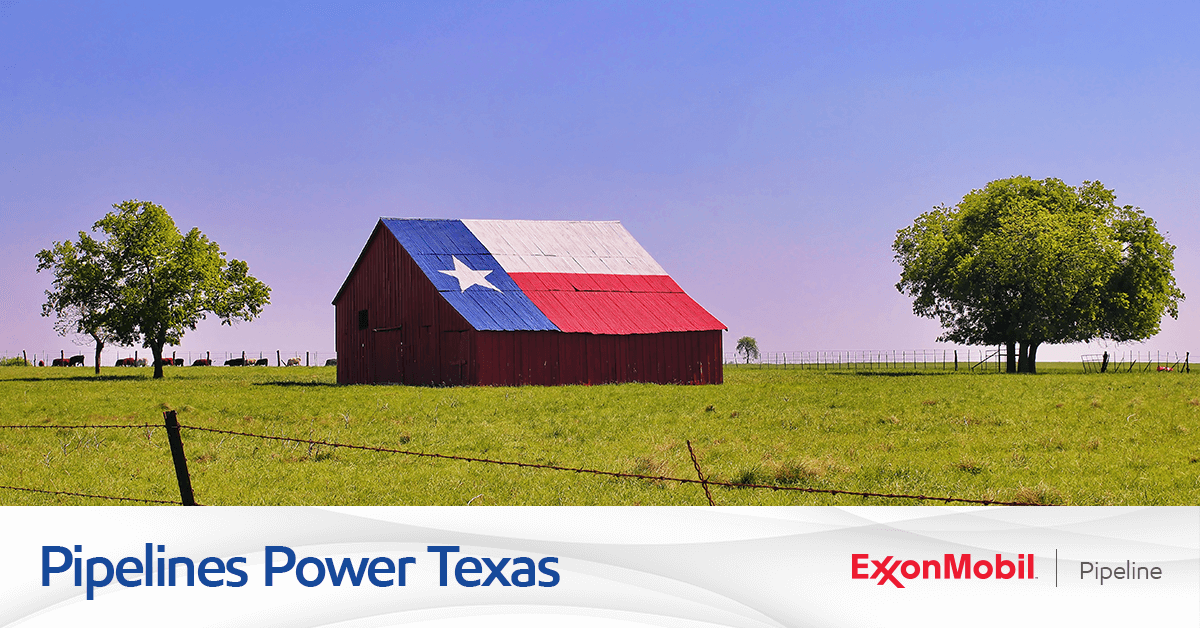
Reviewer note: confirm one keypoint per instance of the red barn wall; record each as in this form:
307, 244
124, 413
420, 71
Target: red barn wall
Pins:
551, 358
413, 335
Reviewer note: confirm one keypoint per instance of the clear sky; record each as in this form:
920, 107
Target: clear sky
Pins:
764, 154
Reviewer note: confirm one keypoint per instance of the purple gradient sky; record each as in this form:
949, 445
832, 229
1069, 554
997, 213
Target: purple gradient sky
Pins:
764, 154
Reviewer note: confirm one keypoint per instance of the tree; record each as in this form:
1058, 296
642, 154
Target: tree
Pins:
82, 292
146, 283
1023, 263
747, 347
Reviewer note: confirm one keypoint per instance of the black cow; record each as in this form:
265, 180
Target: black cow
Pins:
59, 362
126, 362
76, 360
331, 362
235, 362
261, 362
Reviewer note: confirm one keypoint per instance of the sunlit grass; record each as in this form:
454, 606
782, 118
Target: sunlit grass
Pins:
1061, 437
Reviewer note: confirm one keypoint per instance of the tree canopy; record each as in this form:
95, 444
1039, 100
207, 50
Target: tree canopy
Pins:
82, 294
146, 283
1024, 262
748, 347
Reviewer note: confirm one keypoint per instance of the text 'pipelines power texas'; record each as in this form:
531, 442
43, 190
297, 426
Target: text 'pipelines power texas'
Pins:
155, 569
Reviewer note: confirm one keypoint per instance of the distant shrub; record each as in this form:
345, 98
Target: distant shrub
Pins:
13, 362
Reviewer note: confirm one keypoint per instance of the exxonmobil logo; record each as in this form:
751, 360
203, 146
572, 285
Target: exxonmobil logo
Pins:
951, 567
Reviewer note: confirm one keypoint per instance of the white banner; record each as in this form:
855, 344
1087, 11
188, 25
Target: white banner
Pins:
676, 567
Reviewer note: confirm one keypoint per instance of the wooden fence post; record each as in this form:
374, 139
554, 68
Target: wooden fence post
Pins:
181, 470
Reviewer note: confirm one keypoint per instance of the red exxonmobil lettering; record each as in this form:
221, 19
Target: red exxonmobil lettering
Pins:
951, 567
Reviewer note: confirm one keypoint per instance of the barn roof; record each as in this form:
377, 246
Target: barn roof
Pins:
572, 276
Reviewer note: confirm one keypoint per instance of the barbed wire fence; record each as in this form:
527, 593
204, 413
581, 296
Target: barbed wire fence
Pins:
85, 356
187, 497
1133, 362
877, 359
982, 360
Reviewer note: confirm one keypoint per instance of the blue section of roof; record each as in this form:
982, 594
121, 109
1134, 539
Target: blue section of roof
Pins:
435, 244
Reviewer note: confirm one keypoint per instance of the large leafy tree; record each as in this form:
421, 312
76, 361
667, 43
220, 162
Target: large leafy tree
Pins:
1024, 262
146, 283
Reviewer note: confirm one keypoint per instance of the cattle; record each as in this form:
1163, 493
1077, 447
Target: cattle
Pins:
293, 362
261, 362
76, 360
126, 362
331, 362
202, 362
235, 362
172, 361
140, 362
58, 362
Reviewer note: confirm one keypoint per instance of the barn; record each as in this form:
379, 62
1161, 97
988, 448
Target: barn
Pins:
517, 302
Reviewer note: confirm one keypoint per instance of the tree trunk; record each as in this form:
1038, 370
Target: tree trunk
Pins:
1011, 364
1033, 357
99, 348
156, 352
1023, 358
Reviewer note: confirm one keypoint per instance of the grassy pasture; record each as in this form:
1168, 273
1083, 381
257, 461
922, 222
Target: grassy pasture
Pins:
1060, 437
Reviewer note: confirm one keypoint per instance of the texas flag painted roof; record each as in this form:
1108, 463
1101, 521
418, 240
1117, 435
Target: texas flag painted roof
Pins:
586, 277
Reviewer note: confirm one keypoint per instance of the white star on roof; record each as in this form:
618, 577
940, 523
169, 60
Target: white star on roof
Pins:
467, 277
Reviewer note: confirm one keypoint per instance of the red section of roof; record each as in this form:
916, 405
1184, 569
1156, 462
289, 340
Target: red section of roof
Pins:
582, 282
614, 304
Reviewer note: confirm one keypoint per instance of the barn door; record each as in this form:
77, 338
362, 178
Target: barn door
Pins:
454, 357
388, 365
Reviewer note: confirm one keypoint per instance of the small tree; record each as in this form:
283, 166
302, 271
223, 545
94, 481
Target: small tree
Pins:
747, 347
146, 283
82, 294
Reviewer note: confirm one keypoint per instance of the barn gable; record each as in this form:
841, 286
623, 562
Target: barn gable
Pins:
517, 302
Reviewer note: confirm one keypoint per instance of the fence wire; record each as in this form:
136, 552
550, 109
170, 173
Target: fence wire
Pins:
72, 494
599, 472
700, 477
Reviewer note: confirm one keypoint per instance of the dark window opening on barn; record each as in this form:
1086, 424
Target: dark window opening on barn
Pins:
363, 322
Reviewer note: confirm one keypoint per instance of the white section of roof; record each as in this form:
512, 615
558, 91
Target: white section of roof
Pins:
558, 246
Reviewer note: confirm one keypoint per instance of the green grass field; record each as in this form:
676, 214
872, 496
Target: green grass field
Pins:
1061, 437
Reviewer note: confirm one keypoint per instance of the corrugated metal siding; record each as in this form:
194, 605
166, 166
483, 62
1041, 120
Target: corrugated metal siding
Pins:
555, 358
